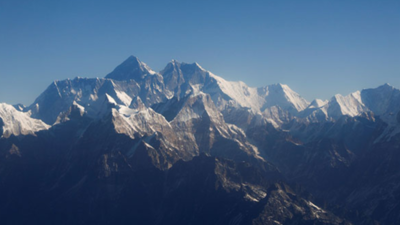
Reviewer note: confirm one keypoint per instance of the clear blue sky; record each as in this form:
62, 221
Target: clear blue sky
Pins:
319, 48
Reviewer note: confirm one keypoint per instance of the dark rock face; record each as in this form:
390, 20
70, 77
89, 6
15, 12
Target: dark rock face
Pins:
341, 164
398, 117
104, 186
83, 172
1, 125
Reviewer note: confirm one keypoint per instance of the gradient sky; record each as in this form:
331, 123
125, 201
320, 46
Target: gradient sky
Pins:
319, 48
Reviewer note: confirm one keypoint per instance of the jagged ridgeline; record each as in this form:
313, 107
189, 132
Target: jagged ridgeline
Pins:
184, 146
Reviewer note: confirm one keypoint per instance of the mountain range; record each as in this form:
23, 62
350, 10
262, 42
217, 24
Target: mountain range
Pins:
185, 146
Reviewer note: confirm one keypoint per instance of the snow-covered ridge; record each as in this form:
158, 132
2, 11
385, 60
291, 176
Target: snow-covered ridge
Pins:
382, 101
350, 105
280, 95
17, 123
271, 99
89, 93
177, 75
242, 94
277, 103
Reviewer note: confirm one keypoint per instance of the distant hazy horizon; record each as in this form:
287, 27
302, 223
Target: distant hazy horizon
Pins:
317, 48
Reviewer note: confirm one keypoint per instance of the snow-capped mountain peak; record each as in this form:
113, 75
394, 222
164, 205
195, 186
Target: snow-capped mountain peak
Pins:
131, 68
350, 105
282, 96
383, 100
184, 79
298, 102
133, 84
386, 86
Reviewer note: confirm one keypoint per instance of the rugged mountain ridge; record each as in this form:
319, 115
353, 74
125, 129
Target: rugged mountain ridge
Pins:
137, 122
14, 122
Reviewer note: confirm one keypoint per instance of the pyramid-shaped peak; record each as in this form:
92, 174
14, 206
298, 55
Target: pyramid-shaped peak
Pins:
131, 61
386, 86
131, 69
283, 96
132, 57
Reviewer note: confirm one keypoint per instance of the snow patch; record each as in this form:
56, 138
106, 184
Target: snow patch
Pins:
124, 97
17, 123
